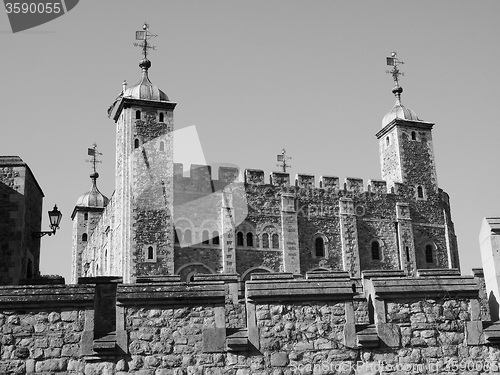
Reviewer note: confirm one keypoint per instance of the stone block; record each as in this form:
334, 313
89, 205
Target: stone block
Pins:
329, 183
201, 172
214, 340
228, 174
474, 333
279, 359
377, 186
254, 176
389, 334
354, 185
280, 179
305, 181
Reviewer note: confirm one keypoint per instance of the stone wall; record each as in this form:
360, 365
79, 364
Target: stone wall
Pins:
324, 324
347, 229
20, 215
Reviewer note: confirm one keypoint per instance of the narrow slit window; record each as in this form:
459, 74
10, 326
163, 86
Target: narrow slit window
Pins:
162, 146
84, 237
319, 247
428, 254
420, 192
276, 241
265, 241
151, 254
407, 254
215, 238
375, 250
387, 141
413, 136
136, 143
187, 236
137, 115
239, 239
161, 117
204, 237
249, 239
85, 216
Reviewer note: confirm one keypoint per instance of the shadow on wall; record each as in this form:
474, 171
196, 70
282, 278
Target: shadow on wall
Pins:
493, 303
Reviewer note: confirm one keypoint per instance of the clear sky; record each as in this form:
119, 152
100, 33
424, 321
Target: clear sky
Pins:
254, 77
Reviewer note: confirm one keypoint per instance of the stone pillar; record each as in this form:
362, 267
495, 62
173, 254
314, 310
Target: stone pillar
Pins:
228, 244
349, 237
489, 242
406, 245
289, 228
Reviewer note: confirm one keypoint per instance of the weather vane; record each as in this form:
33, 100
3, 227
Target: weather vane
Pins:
395, 72
283, 159
144, 35
94, 153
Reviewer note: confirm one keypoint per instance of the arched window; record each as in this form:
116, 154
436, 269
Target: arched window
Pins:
387, 141
407, 254
276, 241
429, 258
161, 116
239, 239
215, 238
136, 143
204, 237
413, 136
187, 236
319, 247
162, 146
265, 241
375, 250
249, 239
151, 254
84, 237
138, 115
420, 192
85, 216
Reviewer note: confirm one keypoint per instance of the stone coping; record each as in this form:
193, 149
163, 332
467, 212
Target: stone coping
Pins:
41, 296
432, 286
172, 293
438, 272
291, 290
369, 274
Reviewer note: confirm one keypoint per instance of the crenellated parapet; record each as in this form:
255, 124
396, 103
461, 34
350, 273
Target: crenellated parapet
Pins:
164, 323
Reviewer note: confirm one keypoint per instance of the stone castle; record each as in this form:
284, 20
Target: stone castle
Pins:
160, 222
178, 274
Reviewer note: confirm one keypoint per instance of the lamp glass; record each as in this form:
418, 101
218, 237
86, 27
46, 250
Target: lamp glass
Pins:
55, 217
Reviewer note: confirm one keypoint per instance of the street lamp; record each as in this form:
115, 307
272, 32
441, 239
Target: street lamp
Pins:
55, 218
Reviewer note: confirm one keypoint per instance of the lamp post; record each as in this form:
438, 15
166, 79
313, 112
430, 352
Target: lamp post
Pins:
55, 218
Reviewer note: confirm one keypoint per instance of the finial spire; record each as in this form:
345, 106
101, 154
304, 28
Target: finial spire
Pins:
283, 159
94, 153
144, 35
395, 72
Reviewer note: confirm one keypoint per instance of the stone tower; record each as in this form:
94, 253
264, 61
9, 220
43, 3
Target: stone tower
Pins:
407, 164
85, 216
406, 152
143, 227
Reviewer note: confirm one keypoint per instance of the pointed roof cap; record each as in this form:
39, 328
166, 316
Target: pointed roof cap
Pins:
93, 198
145, 90
399, 110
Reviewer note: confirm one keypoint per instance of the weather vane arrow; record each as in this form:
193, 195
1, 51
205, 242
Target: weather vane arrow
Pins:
144, 35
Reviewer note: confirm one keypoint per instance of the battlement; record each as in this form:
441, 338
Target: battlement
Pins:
225, 175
